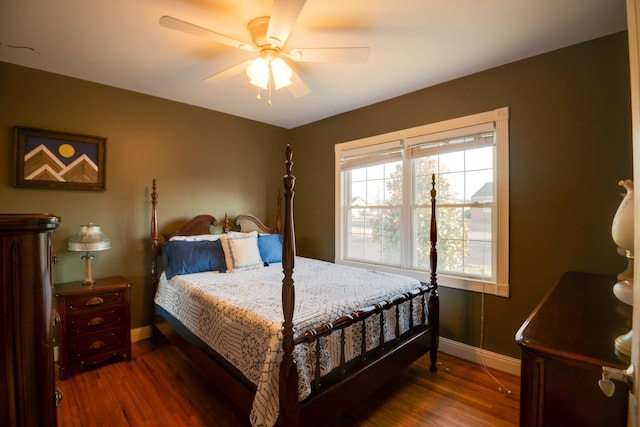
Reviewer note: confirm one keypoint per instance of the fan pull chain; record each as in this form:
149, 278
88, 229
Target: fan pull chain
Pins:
270, 83
269, 88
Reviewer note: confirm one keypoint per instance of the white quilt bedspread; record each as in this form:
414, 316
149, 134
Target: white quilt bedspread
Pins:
240, 316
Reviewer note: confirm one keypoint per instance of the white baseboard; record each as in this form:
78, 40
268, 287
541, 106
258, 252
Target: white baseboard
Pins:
477, 355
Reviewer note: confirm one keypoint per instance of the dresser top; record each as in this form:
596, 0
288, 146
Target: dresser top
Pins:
579, 319
12, 222
102, 285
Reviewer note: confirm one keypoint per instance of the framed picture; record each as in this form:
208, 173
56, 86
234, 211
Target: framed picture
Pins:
58, 160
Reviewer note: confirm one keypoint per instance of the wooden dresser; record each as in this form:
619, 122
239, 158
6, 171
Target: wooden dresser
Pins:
565, 342
94, 326
27, 376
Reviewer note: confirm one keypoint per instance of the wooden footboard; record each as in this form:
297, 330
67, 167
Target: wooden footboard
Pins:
333, 400
354, 380
358, 320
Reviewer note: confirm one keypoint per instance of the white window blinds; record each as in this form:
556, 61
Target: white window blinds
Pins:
450, 141
371, 156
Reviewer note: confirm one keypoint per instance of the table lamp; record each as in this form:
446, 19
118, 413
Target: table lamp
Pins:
89, 239
622, 231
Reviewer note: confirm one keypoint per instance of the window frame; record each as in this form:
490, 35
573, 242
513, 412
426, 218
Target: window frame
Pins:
500, 119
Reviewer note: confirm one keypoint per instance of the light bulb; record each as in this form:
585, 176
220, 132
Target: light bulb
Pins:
281, 73
258, 72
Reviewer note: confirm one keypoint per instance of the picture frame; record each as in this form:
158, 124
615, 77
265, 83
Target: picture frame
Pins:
58, 160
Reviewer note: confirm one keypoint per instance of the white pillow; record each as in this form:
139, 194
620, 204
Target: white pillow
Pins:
241, 251
197, 237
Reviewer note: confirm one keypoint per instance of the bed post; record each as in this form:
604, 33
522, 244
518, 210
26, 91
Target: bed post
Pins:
279, 213
288, 371
154, 237
434, 302
154, 253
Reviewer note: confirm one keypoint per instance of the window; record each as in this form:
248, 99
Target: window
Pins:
383, 204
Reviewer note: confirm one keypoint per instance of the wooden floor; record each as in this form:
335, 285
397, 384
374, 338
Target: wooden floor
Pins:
161, 388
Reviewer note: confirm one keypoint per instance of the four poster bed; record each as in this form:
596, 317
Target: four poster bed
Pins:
289, 346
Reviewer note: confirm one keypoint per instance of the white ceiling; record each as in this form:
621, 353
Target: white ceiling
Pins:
414, 44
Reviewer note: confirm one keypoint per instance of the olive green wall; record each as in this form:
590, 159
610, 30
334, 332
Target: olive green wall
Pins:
570, 143
204, 161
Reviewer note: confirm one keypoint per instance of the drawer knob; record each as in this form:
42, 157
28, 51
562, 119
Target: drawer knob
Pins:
96, 345
95, 321
58, 395
55, 317
95, 301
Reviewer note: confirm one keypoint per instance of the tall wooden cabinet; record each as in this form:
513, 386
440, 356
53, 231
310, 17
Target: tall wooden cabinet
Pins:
27, 376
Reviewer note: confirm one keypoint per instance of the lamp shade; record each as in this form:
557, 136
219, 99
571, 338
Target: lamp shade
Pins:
90, 238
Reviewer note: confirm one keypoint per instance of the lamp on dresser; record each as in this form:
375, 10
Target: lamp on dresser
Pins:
89, 238
622, 232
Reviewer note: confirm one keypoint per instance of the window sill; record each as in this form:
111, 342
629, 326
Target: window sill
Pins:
497, 289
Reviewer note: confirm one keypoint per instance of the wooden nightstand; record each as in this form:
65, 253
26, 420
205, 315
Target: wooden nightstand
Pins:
94, 326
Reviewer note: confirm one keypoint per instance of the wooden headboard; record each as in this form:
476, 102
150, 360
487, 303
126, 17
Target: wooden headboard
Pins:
202, 224
248, 223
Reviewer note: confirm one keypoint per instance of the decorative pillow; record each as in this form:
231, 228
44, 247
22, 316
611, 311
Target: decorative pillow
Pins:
196, 237
185, 257
270, 246
241, 251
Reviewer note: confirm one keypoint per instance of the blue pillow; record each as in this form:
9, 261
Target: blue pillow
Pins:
270, 246
184, 257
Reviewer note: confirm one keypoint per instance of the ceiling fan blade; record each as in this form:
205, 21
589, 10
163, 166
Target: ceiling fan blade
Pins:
357, 55
229, 72
297, 87
283, 16
186, 27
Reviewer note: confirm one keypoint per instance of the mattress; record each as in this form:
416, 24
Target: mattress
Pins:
239, 315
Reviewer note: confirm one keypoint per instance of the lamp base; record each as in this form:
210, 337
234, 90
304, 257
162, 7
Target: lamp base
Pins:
623, 290
623, 343
88, 280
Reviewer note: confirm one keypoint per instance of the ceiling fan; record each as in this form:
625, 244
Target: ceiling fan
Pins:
269, 34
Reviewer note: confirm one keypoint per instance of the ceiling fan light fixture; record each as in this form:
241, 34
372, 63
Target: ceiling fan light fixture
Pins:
258, 72
269, 37
261, 70
281, 73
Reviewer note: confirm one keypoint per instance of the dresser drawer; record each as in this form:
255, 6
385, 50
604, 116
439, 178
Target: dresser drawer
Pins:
87, 302
97, 320
91, 347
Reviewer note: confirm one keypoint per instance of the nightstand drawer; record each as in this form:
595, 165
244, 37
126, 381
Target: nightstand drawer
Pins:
105, 344
97, 321
87, 302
